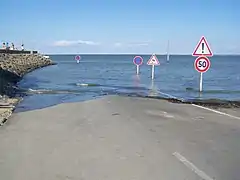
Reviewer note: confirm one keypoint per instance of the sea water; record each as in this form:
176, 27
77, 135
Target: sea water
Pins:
100, 75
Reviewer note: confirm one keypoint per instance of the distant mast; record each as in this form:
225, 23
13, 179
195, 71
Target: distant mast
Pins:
168, 51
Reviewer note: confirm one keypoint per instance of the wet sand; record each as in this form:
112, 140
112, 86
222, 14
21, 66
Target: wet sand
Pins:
121, 138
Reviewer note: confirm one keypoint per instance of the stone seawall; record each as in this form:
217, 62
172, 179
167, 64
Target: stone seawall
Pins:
14, 66
8, 51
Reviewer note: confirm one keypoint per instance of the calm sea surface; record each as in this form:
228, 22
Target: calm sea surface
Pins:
100, 75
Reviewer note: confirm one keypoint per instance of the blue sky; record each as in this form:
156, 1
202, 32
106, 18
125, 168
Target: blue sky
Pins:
121, 26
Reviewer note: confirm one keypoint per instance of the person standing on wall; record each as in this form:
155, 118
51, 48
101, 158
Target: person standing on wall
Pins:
22, 47
4, 45
12, 47
7, 47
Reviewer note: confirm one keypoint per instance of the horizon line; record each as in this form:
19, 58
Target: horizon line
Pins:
218, 54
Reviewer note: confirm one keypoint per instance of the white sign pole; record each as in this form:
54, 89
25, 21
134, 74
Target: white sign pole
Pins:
201, 82
153, 61
137, 69
152, 71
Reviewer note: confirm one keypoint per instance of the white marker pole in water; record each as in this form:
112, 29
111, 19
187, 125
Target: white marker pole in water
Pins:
137, 69
78, 58
152, 71
152, 62
201, 82
138, 60
202, 64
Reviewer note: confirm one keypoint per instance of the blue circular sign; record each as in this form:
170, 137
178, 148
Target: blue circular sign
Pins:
77, 58
138, 60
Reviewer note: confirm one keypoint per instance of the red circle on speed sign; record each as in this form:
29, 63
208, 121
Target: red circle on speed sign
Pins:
202, 64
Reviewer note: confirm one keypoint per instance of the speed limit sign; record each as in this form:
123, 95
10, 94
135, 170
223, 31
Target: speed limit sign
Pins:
202, 64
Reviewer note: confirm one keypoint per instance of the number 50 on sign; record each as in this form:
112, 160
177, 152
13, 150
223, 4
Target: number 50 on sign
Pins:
202, 64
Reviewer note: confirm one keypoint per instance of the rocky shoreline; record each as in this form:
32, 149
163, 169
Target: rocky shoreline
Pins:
12, 68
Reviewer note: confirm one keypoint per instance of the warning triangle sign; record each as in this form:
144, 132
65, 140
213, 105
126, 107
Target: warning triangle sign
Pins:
202, 48
153, 60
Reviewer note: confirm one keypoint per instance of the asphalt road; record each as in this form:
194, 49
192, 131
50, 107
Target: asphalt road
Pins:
121, 138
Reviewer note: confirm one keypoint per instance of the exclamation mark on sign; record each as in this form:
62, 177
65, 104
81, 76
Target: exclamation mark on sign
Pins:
202, 48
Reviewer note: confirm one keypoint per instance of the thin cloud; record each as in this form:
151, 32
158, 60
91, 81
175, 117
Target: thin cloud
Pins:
138, 44
118, 44
64, 43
